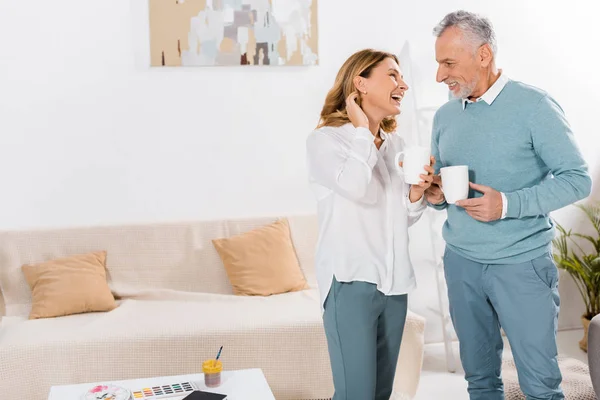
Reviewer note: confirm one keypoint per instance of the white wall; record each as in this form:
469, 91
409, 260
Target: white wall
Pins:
90, 135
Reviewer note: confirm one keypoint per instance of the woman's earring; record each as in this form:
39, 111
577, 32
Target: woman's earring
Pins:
364, 92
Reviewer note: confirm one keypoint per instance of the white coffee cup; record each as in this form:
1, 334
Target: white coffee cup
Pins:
413, 164
455, 183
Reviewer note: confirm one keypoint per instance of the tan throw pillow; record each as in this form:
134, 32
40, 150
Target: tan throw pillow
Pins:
70, 285
262, 262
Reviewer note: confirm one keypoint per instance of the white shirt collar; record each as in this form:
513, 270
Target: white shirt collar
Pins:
490, 95
384, 135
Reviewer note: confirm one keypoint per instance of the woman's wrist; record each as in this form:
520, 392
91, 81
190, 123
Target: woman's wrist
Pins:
415, 194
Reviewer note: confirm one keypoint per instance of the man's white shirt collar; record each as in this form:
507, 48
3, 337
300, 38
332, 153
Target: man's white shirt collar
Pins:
490, 95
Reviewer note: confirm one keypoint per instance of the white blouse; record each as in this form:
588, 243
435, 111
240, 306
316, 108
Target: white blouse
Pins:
363, 210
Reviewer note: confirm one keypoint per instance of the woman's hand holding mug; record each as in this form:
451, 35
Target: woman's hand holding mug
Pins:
417, 190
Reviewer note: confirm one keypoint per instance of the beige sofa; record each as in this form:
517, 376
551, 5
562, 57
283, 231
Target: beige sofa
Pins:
176, 309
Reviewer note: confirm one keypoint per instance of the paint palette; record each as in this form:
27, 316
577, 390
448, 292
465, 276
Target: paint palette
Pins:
163, 391
107, 392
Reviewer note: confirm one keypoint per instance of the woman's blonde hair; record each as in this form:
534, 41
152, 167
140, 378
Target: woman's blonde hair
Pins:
358, 64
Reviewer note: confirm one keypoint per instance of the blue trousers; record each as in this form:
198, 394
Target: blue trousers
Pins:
523, 300
364, 329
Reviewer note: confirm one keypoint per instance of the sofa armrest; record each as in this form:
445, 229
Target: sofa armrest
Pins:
410, 359
594, 352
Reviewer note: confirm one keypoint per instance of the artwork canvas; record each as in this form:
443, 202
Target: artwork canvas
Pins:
233, 32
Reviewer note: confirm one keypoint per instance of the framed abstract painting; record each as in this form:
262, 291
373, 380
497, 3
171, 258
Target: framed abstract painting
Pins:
233, 32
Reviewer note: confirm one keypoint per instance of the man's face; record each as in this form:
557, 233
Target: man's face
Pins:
459, 65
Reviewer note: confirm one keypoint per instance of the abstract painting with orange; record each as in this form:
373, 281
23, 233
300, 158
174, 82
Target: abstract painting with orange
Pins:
233, 32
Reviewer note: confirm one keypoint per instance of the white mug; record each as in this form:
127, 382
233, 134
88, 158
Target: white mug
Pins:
413, 164
455, 183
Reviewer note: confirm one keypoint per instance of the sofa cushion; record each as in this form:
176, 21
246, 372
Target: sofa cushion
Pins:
71, 285
262, 261
166, 312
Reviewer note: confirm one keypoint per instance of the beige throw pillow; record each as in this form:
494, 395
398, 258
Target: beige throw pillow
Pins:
70, 285
262, 262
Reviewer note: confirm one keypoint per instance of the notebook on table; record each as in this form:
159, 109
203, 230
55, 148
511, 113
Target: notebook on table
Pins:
201, 395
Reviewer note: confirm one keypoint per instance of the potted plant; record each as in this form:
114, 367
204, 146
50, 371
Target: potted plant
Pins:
583, 266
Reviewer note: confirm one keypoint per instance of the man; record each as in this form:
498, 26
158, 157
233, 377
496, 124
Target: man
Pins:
523, 164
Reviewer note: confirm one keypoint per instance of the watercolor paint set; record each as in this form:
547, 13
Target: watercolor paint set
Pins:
163, 391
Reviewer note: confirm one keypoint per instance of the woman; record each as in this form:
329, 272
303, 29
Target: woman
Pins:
365, 209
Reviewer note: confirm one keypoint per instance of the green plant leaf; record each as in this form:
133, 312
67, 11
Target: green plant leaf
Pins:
582, 266
594, 241
592, 211
595, 263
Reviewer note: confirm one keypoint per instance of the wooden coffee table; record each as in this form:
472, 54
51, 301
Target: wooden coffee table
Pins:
247, 384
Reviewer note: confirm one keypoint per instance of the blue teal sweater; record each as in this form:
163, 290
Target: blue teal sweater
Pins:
520, 145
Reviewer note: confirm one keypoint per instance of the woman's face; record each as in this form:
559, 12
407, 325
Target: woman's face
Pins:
384, 89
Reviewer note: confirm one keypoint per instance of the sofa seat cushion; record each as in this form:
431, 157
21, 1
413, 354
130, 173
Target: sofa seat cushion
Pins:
166, 313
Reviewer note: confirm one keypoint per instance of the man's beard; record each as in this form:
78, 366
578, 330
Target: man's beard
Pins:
465, 90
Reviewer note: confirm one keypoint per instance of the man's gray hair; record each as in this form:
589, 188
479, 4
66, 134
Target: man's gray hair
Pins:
478, 29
